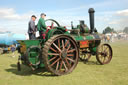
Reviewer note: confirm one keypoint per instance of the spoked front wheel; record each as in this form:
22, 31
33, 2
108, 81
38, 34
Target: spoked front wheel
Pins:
104, 54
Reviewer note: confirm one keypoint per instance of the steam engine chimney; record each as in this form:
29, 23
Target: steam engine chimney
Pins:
91, 12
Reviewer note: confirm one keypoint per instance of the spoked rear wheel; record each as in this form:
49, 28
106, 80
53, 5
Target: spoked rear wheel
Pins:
104, 54
60, 54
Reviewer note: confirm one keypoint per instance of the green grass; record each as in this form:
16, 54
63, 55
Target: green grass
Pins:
91, 73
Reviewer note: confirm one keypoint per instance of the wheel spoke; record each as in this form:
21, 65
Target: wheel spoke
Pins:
71, 51
99, 53
63, 44
71, 59
59, 43
57, 47
52, 58
69, 47
53, 54
55, 62
107, 58
67, 62
101, 57
65, 66
70, 55
57, 66
104, 59
85, 56
105, 49
53, 49
66, 43
108, 55
61, 65
102, 48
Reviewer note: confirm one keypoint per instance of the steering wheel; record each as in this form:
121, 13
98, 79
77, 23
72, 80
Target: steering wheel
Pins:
52, 23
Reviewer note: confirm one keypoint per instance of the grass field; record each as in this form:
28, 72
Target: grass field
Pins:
91, 73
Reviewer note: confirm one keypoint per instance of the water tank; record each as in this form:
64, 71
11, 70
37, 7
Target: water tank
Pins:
10, 38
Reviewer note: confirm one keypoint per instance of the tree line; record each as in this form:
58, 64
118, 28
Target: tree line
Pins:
110, 30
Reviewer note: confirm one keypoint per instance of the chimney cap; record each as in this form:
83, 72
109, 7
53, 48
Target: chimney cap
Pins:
91, 10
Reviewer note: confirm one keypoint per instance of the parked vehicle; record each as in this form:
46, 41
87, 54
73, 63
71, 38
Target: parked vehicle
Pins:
60, 52
7, 39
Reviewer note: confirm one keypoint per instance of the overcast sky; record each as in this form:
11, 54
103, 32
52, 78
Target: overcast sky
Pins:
15, 14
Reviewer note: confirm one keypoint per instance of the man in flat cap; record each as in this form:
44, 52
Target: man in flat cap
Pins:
41, 26
32, 28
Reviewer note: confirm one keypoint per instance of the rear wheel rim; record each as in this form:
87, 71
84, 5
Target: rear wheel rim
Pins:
62, 55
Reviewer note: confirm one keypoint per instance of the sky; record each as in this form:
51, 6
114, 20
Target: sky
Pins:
15, 14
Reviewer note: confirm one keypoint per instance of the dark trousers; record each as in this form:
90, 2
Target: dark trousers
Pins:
32, 36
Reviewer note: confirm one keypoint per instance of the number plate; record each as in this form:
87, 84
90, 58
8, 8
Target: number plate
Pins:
84, 44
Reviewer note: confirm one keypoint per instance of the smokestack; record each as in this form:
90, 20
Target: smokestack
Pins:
91, 12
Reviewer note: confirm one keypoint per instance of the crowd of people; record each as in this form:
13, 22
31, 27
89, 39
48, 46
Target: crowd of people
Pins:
112, 37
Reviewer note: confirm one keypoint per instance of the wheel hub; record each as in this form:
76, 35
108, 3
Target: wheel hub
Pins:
104, 54
64, 54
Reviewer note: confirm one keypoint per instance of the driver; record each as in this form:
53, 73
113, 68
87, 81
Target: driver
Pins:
41, 26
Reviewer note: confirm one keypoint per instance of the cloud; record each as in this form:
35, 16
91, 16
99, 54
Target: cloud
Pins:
122, 12
81, 9
15, 22
104, 16
10, 20
10, 14
120, 19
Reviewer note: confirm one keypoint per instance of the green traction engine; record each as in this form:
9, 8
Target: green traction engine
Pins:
60, 51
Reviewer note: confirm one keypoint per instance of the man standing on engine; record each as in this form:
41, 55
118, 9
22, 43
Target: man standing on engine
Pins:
32, 28
41, 26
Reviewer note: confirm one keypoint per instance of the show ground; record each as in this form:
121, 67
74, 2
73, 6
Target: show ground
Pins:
90, 73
